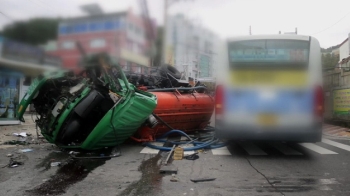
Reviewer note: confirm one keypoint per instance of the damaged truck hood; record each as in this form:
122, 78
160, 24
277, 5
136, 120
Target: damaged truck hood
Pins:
95, 109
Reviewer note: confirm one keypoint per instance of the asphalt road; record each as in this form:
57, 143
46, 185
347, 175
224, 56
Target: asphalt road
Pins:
240, 169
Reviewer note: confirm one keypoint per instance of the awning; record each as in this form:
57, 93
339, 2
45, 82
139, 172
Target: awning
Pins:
29, 69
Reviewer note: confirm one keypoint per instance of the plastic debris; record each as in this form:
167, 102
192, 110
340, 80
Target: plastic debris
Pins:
55, 164
173, 178
26, 150
9, 155
22, 134
193, 156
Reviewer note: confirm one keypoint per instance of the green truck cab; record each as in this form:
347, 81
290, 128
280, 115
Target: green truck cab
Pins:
94, 109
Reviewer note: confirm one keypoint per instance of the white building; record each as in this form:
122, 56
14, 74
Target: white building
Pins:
191, 48
344, 49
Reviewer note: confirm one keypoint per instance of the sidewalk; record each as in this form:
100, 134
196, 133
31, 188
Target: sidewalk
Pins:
336, 131
6, 131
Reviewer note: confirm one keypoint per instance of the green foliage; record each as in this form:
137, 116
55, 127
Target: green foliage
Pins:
35, 31
329, 61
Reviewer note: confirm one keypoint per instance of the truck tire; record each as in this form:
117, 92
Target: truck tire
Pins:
168, 69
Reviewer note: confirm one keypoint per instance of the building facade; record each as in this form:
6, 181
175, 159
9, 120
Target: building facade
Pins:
344, 49
19, 64
191, 48
121, 35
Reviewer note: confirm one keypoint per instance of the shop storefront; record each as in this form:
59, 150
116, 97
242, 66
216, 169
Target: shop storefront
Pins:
19, 63
10, 91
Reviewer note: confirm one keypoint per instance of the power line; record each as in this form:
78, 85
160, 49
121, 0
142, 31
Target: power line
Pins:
332, 24
2, 13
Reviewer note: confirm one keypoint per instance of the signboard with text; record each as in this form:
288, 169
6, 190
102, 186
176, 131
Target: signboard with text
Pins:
341, 101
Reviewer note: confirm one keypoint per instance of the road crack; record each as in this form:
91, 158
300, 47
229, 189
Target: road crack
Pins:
263, 175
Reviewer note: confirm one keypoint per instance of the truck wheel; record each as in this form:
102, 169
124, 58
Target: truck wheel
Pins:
170, 70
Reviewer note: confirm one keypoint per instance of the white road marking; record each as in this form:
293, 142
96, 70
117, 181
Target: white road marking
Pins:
148, 150
252, 149
285, 149
336, 144
317, 149
221, 151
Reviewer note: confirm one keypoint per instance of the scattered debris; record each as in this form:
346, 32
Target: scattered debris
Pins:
73, 153
193, 156
9, 155
15, 142
173, 178
26, 150
168, 169
22, 134
178, 153
13, 163
202, 179
55, 164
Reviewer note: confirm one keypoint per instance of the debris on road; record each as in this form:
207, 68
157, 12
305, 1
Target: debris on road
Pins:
13, 163
173, 178
22, 134
178, 153
73, 153
15, 142
9, 155
168, 169
193, 156
203, 179
55, 164
26, 150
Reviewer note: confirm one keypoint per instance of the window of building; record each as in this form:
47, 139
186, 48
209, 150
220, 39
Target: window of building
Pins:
68, 45
62, 30
95, 26
80, 28
109, 25
98, 43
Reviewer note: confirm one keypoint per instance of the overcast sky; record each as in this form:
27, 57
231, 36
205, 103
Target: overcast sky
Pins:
327, 20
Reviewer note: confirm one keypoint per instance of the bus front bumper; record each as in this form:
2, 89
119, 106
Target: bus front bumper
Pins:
289, 134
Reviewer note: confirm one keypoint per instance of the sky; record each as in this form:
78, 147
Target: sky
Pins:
327, 20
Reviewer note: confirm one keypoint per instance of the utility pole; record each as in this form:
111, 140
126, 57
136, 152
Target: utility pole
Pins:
164, 31
250, 30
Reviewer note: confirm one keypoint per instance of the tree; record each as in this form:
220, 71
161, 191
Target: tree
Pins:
35, 31
329, 61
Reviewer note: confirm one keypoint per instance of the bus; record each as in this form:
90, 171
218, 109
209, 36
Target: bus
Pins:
270, 89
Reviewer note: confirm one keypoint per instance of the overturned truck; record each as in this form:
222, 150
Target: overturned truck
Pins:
102, 107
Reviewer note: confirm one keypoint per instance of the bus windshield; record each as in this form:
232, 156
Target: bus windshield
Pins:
269, 52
